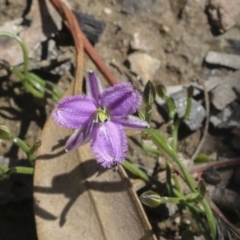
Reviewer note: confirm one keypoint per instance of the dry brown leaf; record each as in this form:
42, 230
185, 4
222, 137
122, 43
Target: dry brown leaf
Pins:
75, 198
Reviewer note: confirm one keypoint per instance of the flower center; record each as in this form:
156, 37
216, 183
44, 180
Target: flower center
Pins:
101, 115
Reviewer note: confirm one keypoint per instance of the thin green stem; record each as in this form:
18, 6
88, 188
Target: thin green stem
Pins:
21, 144
141, 174
163, 144
193, 208
136, 171
150, 149
171, 108
175, 137
23, 46
22, 170
169, 178
55, 92
36, 91
196, 213
37, 86
3, 169
30, 155
148, 113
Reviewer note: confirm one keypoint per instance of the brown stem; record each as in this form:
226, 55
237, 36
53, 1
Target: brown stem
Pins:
218, 164
81, 41
98, 61
72, 24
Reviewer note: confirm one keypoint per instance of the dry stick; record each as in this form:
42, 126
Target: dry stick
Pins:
220, 215
198, 169
218, 164
98, 61
72, 24
79, 38
205, 130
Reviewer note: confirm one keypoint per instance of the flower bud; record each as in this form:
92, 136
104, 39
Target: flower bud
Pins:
5, 133
190, 91
161, 91
151, 199
149, 93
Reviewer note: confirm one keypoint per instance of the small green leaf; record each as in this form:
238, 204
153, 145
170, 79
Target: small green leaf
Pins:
189, 102
5, 132
177, 184
202, 188
191, 197
171, 108
161, 141
161, 91
201, 159
136, 171
22, 170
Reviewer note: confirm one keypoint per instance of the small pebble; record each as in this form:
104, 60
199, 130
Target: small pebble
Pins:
107, 11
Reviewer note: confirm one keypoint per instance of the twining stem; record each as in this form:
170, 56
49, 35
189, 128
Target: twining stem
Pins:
37, 86
24, 49
163, 144
192, 207
79, 39
3, 169
23, 170
21, 144
30, 81
25, 148
29, 87
148, 113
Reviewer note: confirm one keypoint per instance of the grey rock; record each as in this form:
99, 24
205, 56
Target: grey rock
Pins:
223, 94
197, 113
223, 59
228, 117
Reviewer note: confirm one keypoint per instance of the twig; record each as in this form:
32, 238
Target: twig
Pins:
203, 167
72, 24
80, 38
122, 70
218, 164
205, 130
98, 61
219, 214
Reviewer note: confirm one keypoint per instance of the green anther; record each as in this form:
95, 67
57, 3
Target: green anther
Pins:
102, 115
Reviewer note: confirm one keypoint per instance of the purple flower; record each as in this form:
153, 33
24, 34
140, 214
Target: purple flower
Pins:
101, 117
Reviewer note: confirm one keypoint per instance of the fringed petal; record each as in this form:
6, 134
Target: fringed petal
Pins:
121, 99
74, 111
109, 143
131, 122
79, 137
93, 85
